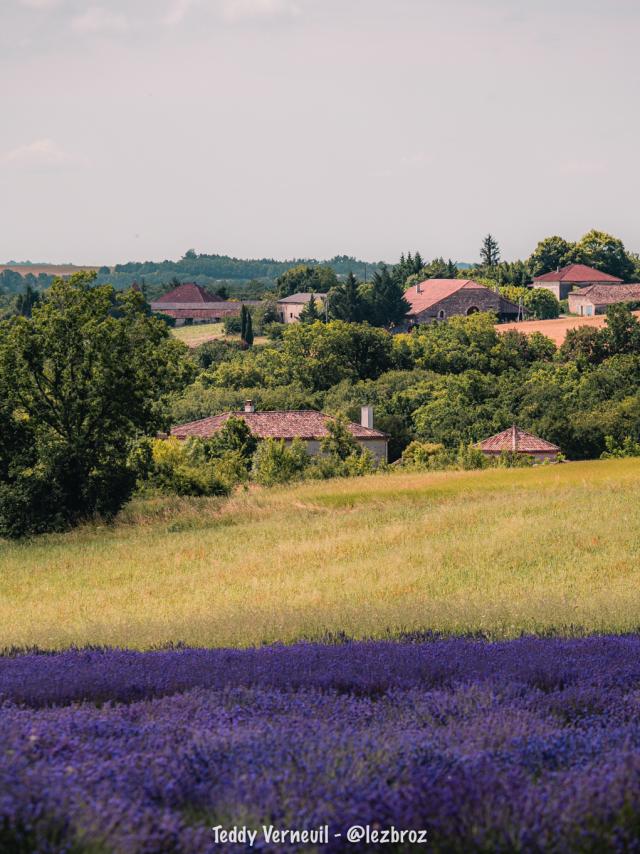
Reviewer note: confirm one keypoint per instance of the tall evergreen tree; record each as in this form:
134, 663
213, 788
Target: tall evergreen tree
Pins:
310, 313
490, 251
246, 327
388, 304
345, 302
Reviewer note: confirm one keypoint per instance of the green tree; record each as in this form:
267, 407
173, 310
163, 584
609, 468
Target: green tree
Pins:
550, 254
246, 327
490, 252
604, 252
339, 443
26, 301
234, 437
311, 313
345, 301
79, 384
305, 278
622, 333
387, 304
276, 463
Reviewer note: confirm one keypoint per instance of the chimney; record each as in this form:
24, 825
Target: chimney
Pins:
248, 406
366, 416
419, 288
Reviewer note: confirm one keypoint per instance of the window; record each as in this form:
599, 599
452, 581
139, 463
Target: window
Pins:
441, 314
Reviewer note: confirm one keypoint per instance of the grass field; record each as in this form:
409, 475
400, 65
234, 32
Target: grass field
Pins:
549, 549
200, 333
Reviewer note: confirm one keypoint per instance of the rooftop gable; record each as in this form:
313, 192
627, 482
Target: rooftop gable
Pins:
431, 291
188, 292
301, 299
515, 439
576, 273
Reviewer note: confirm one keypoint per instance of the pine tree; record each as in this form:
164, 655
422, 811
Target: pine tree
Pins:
389, 306
345, 302
490, 252
310, 313
246, 327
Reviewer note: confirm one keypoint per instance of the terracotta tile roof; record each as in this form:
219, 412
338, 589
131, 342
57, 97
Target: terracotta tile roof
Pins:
278, 424
188, 292
576, 273
301, 299
431, 291
200, 313
609, 294
515, 439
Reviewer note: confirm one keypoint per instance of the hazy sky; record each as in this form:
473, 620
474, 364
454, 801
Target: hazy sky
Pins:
136, 129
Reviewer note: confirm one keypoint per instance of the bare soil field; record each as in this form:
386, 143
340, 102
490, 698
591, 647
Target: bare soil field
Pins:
556, 329
48, 269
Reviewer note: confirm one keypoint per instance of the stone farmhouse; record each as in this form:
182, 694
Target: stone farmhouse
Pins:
518, 441
191, 303
563, 280
595, 299
438, 299
290, 308
308, 425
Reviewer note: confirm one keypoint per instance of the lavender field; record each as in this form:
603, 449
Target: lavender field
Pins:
527, 745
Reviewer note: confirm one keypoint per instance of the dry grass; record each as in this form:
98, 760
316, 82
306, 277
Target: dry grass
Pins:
556, 329
548, 549
200, 333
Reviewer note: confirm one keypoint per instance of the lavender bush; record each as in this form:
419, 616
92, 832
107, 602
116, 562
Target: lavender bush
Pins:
522, 746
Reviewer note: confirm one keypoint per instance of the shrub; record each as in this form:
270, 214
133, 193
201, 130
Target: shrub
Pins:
177, 467
274, 462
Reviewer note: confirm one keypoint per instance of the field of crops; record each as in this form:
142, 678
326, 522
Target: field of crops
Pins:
529, 745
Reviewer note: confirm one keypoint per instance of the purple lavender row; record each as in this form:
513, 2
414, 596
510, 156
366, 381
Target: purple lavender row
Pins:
527, 746
363, 668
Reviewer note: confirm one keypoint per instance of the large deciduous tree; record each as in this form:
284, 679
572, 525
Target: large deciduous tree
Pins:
550, 254
80, 382
604, 252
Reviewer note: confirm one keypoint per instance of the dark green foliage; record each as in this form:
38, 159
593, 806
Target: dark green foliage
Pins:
235, 437
246, 327
26, 301
489, 252
346, 302
79, 383
305, 278
387, 305
311, 313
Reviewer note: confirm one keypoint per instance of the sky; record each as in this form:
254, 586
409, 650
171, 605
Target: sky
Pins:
138, 129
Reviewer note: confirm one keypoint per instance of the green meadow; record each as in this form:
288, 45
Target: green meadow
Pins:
501, 552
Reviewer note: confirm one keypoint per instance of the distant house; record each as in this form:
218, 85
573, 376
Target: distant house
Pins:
191, 303
518, 441
308, 425
290, 308
596, 298
563, 280
438, 299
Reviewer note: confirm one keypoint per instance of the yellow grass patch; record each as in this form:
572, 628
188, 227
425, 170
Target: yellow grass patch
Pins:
501, 551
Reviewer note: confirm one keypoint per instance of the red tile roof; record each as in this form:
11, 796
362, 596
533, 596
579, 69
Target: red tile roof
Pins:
576, 273
609, 294
432, 291
515, 439
278, 424
188, 292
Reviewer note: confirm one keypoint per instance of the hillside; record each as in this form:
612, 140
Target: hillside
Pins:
498, 552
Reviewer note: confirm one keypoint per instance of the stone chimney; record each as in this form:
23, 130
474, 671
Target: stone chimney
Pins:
419, 288
366, 416
248, 406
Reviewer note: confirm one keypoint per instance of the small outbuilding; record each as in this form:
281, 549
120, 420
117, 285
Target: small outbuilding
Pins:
517, 441
596, 299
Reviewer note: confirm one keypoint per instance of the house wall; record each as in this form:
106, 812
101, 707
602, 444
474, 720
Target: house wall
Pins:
582, 305
562, 290
458, 304
378, 447
290, 312
538, 456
